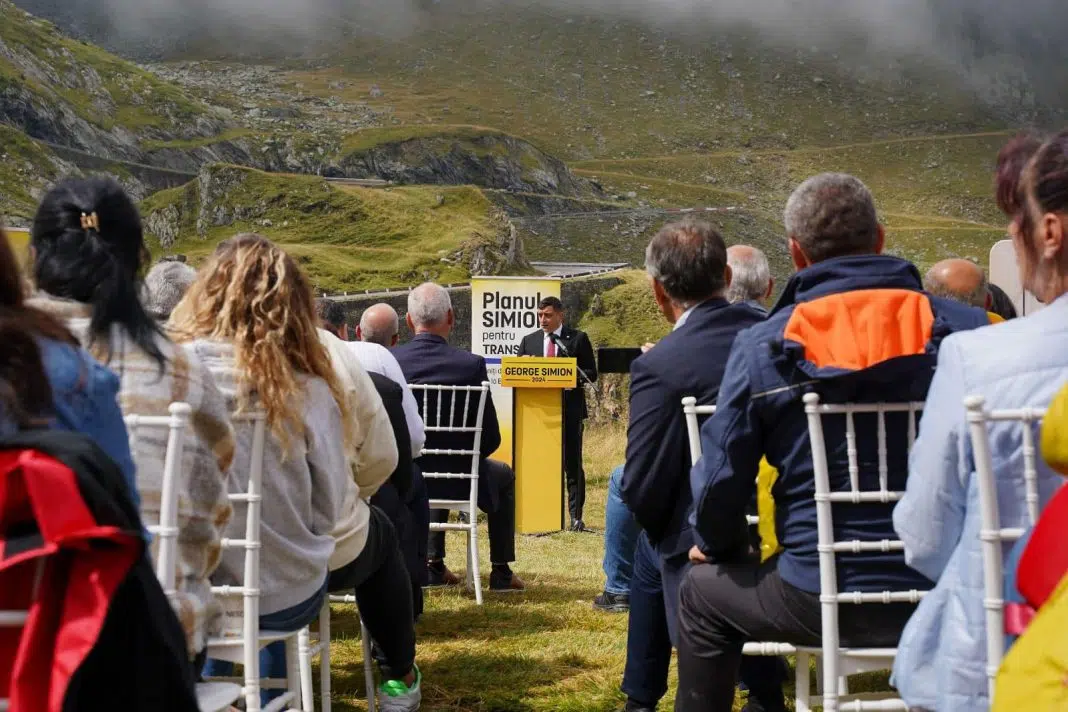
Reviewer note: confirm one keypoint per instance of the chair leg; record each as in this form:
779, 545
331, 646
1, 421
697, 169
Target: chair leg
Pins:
368, 667
801, 683
304, 657
472, 549
324, 657
293, 670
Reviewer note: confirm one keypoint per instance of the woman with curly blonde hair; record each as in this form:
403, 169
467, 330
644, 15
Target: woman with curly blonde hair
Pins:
250, 316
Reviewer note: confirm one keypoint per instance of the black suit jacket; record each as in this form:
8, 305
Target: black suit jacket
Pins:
579, 347
687, 362
428, 359
392, 396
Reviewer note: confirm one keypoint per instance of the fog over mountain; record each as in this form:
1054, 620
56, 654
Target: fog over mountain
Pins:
984, 40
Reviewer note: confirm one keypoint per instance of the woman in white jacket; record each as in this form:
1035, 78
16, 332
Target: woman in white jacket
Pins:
250, 317
1021, 363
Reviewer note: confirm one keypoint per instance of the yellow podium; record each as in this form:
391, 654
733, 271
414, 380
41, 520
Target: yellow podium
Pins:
538, 442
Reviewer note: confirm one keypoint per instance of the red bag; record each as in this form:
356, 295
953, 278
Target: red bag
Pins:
50, 543
1045, 560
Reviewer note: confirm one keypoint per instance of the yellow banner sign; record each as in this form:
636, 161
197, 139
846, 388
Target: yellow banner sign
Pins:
528, 372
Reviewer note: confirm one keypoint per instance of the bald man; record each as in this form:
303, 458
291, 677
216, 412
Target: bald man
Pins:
380, 325
962, 281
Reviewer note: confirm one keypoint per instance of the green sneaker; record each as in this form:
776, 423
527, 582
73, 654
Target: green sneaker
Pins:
395, 696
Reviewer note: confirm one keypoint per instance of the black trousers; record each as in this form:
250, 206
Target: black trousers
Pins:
411, 521
722, 606
654, 592
497, 499
383, 594
573, 472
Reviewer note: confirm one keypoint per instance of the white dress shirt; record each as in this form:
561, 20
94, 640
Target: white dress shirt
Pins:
377, 359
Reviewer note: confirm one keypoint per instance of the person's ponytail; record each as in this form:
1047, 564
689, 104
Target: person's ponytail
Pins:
89, 247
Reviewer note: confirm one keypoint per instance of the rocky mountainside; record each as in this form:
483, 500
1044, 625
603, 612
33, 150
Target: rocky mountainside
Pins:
89, 111
347, 238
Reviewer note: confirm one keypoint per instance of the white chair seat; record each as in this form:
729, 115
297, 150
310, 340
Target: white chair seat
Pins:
457, 504
230, 648
771, 650
217, 696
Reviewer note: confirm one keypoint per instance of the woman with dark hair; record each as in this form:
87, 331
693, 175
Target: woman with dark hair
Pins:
1022, 363
88, 255
46, 380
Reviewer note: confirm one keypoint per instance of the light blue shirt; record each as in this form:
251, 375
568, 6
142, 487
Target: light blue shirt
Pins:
1016, 364
685, 315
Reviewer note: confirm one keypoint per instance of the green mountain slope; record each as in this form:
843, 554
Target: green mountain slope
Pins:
347, 238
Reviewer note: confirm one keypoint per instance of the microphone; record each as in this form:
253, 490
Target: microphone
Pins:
559, 344
563, 349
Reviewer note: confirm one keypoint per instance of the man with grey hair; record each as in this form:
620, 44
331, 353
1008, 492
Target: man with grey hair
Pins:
429, 359
165, 285
379, 324
688, 272
852, 324
751, 280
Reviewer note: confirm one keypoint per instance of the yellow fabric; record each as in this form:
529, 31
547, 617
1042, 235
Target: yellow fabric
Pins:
995, 318
1034, 673
1055, 433
769, 541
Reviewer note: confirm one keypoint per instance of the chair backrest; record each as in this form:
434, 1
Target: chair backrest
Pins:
693, 413
454, 410
249, 590
166, 532
992, 535
855, 494
693, 425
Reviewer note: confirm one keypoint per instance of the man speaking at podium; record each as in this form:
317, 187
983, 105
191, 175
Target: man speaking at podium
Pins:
556, 340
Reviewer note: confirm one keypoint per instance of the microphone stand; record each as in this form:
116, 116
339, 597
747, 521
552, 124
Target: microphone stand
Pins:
563, 349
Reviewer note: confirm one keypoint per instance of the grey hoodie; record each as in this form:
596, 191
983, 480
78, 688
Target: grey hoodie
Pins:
303, 491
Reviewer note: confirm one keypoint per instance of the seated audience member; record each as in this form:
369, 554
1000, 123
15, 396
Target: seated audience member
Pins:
372, 348
751, 280
428, 359
165, 285
88, 251
687, 266
392, 497
852, 324
962, 281
270, 358
370, 445
1017, 364
1001, 303
752, 283
379, 324
621, 532
48, 380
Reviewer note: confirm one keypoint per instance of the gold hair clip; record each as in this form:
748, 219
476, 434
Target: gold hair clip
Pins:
90, 221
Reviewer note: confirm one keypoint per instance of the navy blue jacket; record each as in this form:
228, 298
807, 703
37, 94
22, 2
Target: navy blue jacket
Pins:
687, 362
853, 329
428, 359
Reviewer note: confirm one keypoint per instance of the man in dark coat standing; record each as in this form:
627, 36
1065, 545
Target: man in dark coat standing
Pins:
554, 338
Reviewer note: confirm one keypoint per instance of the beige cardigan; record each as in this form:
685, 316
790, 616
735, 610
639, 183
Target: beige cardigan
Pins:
203, 508
370, 446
